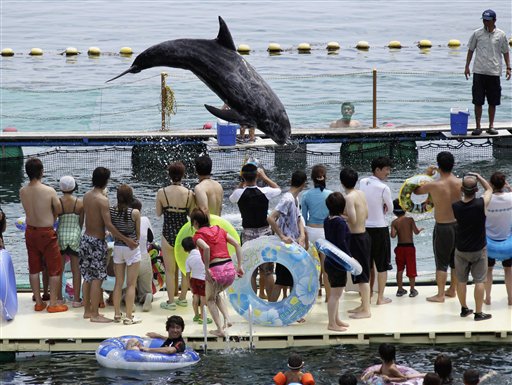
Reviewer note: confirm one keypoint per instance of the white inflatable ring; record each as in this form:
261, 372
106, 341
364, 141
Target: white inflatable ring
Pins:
303, 293
499, 250
112, 354
377, 379
406, 194
8, 293
338, 257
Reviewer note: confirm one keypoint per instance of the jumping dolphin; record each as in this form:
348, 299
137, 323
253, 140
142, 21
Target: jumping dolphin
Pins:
217, 63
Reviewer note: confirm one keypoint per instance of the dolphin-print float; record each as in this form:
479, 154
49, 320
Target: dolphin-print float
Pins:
217, 63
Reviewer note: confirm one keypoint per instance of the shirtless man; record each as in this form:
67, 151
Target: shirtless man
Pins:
444, 192
93, 248
356, 210
347, 110
42, 207
209, 193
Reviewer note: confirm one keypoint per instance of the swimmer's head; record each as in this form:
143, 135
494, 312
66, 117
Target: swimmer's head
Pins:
443, 366
471, 377
347, 110
432, 379
387, 352
175, 320
295, 362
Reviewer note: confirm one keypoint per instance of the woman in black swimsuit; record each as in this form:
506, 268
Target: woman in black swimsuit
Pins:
175, 203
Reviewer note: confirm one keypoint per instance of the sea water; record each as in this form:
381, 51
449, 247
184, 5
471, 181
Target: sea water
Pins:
58, 93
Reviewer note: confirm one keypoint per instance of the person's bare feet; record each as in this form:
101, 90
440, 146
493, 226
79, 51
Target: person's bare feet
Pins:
342, 324
336, 328
360, 315
450, 293
383, 301
227, 324
510, 302
487, 301
101, 319
356, 309
88, 315
436, 298
217, 333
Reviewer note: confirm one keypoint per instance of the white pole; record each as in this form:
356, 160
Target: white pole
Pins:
250, 327
205, 329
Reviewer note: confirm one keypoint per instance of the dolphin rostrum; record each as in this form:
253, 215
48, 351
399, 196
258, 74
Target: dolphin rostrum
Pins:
217, 63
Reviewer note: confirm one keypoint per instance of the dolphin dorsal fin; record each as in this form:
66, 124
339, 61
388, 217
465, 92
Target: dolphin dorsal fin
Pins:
224, 37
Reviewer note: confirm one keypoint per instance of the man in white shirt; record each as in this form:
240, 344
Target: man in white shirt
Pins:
378, 197
488, 43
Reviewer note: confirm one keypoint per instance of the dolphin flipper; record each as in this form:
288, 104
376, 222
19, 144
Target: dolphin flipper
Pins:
227, 115
224, 37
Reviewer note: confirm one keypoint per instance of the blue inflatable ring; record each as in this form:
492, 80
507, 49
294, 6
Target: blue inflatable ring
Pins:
8, 294
112, 354
499, 250
303, 293
338, 257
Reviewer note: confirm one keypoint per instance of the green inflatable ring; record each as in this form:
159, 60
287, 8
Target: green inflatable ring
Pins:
188, 231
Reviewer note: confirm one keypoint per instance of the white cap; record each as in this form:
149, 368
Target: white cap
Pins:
67, 183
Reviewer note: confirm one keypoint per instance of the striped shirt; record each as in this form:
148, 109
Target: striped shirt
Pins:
123, 222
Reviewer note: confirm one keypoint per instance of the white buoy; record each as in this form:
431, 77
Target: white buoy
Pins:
94, 51
333, 46
395, 44
244, 49
425, 43
127, 51
274, 48
363, 45
36, 52
7, 52
71, 51
304, 48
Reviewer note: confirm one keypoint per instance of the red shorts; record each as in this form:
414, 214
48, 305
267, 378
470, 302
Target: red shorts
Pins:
43, 250
406, 258
197, 286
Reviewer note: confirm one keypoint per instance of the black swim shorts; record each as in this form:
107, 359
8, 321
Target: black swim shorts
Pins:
486, 86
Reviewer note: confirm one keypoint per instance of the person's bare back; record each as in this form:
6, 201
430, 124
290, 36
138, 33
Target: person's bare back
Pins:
96, 206
356, 210
41, 204
404, 227
209, 194
444, 192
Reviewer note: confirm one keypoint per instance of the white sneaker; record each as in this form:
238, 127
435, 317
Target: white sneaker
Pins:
148, 298
132, 321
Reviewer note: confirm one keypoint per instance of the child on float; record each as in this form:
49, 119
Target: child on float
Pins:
69, 231
388, 370
219, 269
294, 375
403, 227
443, 367
337, 232
285, 221
174, 342
194, 268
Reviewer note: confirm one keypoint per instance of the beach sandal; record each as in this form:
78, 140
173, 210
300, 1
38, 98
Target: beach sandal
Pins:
168, 306
40, 307
181, 302
76, 304
200, 321
413, 293
401, 292
196, 318
132, 321
56, 308
118, 318
464, 312
482, 316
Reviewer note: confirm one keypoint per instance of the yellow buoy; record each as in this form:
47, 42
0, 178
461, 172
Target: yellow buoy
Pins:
425, 43
244, 49
362, 45
510, 41
94, 51
304, 48
333, 46
394, 44
274, 48
453, 43
7, 52
36, 52
126, 51
71, 51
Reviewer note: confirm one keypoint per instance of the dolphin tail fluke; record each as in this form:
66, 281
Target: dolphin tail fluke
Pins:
227, 115
224, 37
132, 69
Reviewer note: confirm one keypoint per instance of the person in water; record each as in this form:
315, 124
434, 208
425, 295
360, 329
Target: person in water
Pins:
347, 110
294, 375
174, 342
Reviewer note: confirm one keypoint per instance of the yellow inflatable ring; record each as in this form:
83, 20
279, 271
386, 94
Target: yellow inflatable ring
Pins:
303, 294
188, 231
407, 193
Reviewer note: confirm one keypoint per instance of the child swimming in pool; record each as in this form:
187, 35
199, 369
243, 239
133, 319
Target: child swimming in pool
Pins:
174, 342
133, 344
219, 269
294, 375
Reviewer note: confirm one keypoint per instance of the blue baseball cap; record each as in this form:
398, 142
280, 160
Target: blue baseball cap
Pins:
489, 14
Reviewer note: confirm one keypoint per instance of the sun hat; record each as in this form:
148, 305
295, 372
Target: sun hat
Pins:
489, 14
67, 183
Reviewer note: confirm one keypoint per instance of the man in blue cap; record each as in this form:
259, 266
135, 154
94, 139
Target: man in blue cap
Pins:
489, 43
